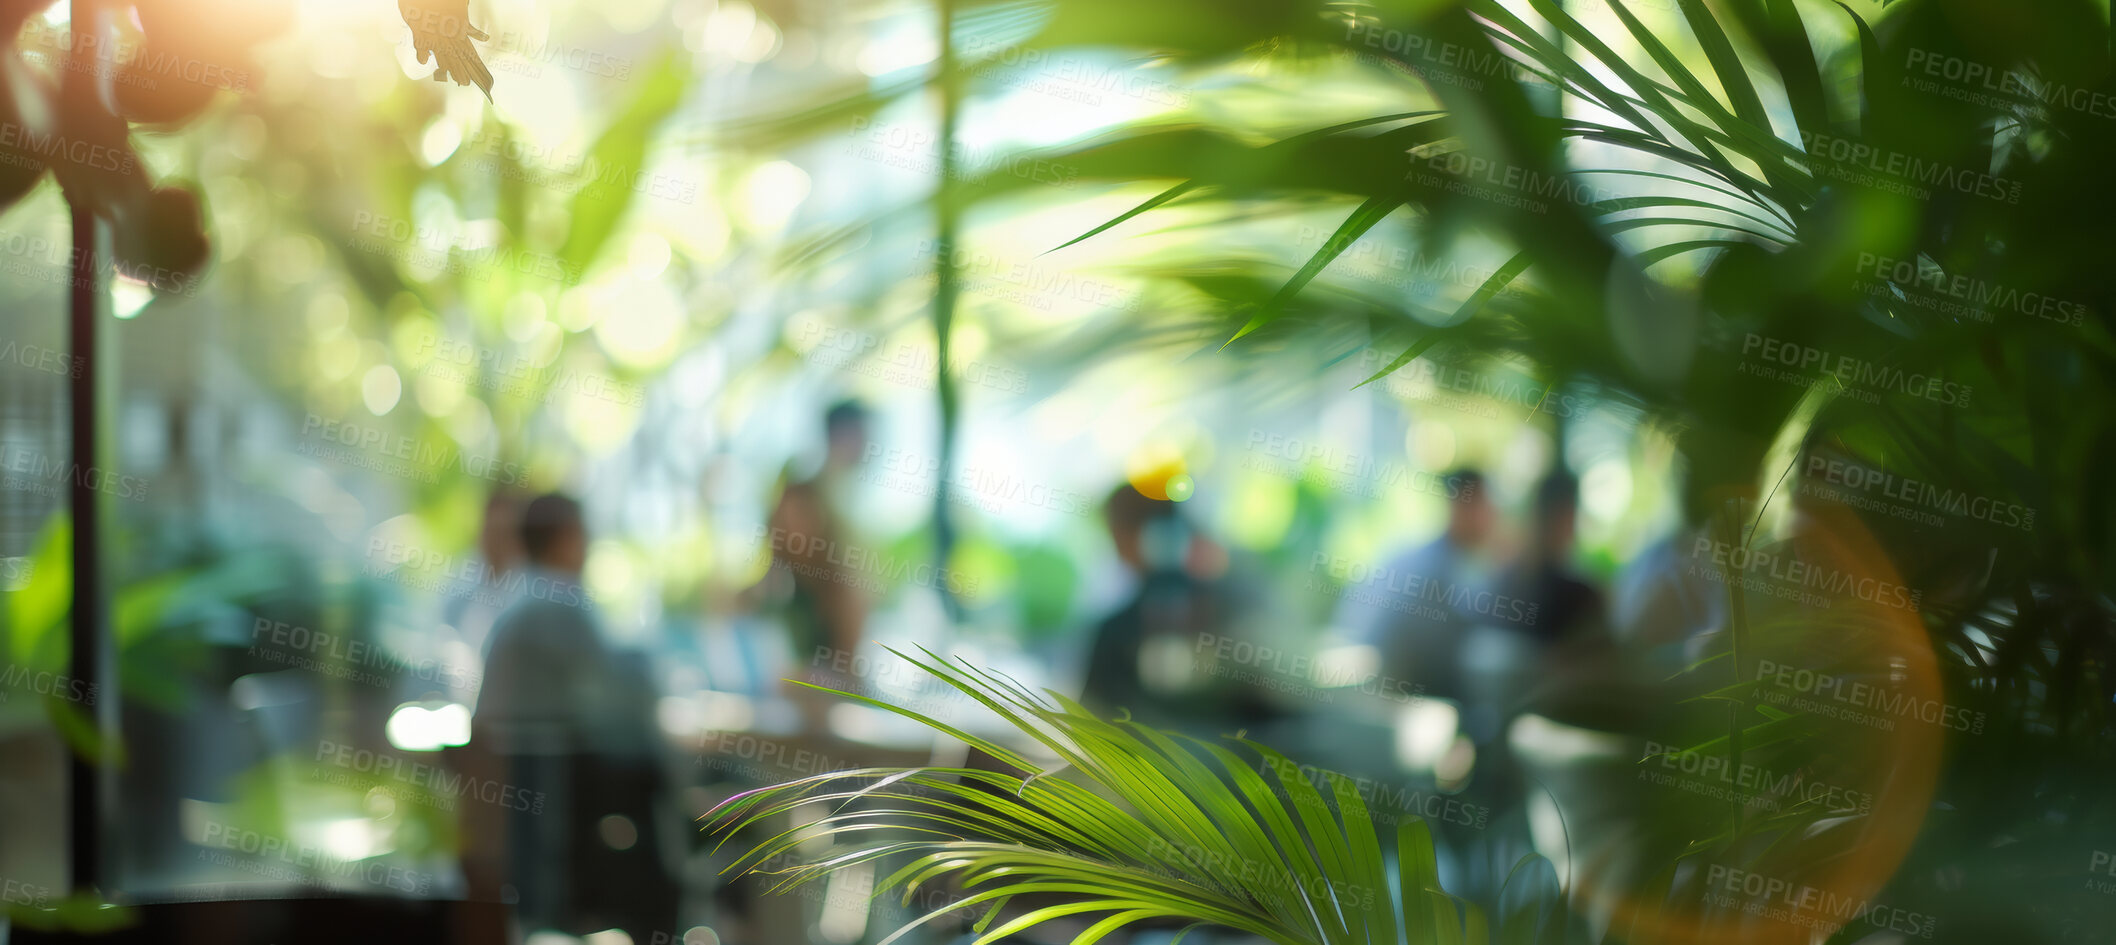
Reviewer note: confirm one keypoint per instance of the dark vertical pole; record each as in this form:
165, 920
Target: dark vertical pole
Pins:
947, 285
89, 782
89, 656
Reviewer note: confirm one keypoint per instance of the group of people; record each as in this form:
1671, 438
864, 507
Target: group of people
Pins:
1454, 621
563, 713
1448, 619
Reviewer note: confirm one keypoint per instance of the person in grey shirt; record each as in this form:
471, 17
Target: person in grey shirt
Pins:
546, 667
569, 722
1416, 607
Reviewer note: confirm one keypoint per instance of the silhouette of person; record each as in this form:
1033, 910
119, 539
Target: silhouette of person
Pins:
1415, 608
1551, 627
546, 658
1662, 610
1143, 657
567, 725
472, 610
827, 607
1563, 605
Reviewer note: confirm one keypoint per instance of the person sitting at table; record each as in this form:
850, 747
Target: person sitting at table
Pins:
566, 723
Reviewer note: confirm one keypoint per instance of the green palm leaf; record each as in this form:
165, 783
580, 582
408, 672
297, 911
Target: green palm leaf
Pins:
1136, 825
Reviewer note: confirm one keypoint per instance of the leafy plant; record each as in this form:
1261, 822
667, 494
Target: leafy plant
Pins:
1658, 189
1132, 825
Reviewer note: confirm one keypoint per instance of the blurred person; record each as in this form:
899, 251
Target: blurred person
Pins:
565, 730
826, 607
1563, 606
468, 608
1414, 609
546, 655
1663, 609
1544, 643
472, 610
1144, 658
1658, 606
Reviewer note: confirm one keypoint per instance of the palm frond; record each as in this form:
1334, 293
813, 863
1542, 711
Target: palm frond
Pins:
1137, 824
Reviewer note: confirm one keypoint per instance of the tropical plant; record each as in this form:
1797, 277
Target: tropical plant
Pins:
1681, 195
1132, 825
1668, 197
